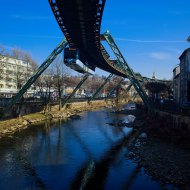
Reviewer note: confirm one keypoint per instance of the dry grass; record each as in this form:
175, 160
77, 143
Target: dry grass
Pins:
7, 123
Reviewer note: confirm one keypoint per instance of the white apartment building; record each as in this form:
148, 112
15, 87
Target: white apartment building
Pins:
13, 75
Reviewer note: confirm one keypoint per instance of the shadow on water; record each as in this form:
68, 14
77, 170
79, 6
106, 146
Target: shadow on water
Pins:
95, 177
73, 154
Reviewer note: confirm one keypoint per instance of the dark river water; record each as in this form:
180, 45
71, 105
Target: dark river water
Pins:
84, 153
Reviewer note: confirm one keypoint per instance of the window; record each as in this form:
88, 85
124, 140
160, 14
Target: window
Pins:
188, 91
188, 57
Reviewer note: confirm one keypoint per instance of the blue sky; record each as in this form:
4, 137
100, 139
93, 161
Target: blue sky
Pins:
151, 34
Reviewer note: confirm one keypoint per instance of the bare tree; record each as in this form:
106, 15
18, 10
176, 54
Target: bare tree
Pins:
25, 56
39, 84
3, 53
2, 50
16, 53
48, 84
60, 73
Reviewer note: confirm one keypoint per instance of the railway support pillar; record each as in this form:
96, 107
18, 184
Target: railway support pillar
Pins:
100, 88
114, 89
39, 71
122, 64
85, 77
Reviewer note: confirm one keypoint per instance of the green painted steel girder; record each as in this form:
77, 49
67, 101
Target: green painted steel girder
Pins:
134, 96
39, 71
122, 64
115, 88
76, 88
128, 88
100, 88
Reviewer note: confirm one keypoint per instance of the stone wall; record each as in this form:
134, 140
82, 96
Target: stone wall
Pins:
177, 121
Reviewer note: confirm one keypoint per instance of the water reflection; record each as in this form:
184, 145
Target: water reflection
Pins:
73, 154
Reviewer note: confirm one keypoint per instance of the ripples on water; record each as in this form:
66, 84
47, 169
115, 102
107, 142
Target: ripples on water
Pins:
75, 154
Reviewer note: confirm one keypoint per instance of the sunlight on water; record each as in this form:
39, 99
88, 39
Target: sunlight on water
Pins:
74, 154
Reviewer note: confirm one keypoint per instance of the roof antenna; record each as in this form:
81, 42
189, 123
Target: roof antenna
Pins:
153, 77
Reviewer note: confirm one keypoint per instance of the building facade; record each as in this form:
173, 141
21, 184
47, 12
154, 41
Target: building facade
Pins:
13, 74
176, 84
185, 77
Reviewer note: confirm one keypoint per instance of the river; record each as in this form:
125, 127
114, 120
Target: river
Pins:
85, 153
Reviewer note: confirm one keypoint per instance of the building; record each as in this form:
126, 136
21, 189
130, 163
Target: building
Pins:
14, 73
185, 77
176, 84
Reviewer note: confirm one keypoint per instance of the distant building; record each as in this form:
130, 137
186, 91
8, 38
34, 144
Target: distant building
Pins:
185, 77
13, 74
176, 84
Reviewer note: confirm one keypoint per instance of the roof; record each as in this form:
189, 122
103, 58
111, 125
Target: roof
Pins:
184, 53
178, 66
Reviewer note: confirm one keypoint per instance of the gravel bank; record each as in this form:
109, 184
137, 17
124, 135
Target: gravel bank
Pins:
164, 152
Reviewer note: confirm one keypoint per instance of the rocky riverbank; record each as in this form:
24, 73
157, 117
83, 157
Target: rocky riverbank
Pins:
162, 161
163, 152
9, 127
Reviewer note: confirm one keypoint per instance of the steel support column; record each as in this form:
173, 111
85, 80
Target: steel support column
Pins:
76, 88
100, 88
40, 70
115, 88
128, 88
126, 91
134, 96
122, 64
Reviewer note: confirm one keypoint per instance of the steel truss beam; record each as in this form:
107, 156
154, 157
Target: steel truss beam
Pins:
128, 88
100, 88
134, 96
76, 88
115, 88
40, 70
122, 64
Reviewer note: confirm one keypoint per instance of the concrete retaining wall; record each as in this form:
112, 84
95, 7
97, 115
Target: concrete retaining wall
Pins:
177, 121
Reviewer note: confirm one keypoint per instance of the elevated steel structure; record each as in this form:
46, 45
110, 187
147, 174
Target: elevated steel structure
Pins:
80, 22
114, 89
85, 77
122, 65
100, 88
128, 88
39, 71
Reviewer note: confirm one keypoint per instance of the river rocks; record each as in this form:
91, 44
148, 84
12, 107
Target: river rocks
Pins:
119, 123
143, 135
75, 116
25, 122
131, 118
163, 161
138, 123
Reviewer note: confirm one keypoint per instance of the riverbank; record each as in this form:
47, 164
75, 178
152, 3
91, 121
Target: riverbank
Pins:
164, 153
163, 161
9, 127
